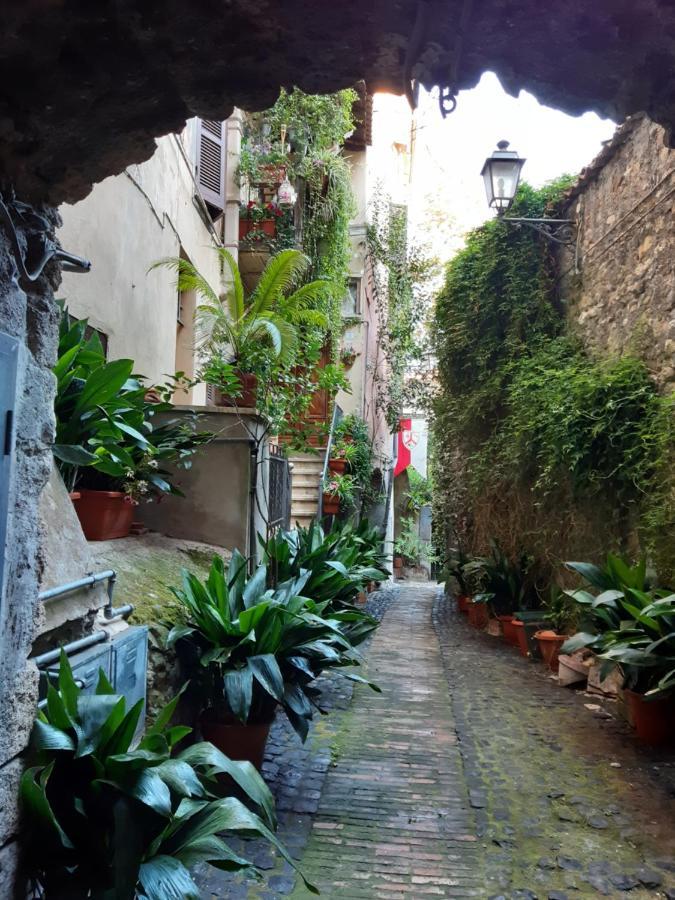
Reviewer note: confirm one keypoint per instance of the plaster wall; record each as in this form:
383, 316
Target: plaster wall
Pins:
216, 508
623, 298
126, 224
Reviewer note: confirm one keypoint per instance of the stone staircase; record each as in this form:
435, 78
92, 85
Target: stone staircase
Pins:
305, 475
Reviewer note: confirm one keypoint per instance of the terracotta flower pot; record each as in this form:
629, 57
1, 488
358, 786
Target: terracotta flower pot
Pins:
331, 504
74, 495
654, 720
478, 614
549, 646
521, 637
463, 603
104, 515
508, 630
398, 562
240, 742
362, 598
494, 627
337, 465
267, 226
249, 393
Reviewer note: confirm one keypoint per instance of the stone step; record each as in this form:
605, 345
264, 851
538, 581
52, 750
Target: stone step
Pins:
309, 494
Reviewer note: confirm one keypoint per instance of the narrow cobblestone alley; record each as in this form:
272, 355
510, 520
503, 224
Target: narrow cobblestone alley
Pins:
474, 775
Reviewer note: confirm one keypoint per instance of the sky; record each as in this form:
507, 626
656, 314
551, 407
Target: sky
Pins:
447, 194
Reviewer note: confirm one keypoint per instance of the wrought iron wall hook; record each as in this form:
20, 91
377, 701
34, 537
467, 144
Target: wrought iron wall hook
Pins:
40, 248
447, 96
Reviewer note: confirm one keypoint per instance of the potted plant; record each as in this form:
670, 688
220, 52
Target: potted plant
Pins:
259, 217
559, 614
245, 331
478, 610
338, 493
508, 584
103, 818
109, 450
340, 455
251, 649
348, 357
631, 626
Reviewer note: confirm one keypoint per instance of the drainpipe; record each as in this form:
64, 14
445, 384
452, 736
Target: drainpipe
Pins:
253, 486
110, 575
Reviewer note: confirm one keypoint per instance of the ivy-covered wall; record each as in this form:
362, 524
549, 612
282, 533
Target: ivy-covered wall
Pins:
547, 437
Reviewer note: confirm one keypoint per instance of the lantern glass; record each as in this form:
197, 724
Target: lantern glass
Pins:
501, 174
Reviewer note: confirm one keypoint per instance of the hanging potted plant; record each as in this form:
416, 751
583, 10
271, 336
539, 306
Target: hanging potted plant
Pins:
251, 649
109, 452
348, 357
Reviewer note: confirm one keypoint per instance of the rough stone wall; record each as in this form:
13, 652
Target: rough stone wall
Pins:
623, 299
32, 318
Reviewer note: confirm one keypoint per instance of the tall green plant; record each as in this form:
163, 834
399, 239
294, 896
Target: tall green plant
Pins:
107, 820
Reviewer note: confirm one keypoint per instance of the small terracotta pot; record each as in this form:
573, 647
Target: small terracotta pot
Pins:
521, 637
549, 646
654, 720
240, 742
463, 603
331, 505
337, 465
371, 587
398, 562
362, 598
104, 515
508, 630
478, 615
249, 393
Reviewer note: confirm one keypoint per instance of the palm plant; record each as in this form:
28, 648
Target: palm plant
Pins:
104, 820
235, 325
258, 647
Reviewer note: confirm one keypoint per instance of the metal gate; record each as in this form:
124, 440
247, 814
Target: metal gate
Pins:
279, 494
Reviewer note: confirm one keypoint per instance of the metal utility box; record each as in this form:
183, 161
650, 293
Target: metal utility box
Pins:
129, 664
86, 666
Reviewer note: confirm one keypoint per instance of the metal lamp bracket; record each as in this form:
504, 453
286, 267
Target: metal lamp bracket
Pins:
559, 231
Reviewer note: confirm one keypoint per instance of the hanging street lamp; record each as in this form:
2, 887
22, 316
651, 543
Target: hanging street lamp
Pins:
501, 175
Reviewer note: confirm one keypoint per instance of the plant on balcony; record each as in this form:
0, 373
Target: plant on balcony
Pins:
259, 217
108, 447
105, 819
341, 455
252, 649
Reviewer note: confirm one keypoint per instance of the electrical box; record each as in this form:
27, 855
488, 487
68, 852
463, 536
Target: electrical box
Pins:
86, 666
129, 665
9, 358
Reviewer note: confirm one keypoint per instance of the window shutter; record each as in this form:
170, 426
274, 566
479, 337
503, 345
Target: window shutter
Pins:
211, 163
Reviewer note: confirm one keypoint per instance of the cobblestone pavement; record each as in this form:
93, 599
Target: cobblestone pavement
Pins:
474, 775
295, 773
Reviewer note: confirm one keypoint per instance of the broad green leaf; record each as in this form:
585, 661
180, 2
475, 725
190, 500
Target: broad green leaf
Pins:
267, 672
238, 689
166, 878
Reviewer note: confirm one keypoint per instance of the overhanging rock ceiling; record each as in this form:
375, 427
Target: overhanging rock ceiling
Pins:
87, 86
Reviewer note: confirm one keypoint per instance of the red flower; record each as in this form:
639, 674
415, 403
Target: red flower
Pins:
251, 204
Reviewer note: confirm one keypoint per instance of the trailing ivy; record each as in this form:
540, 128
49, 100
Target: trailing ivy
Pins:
527, 420
401, 278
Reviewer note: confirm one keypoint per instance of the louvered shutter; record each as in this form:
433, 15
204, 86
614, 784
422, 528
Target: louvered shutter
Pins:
211, 162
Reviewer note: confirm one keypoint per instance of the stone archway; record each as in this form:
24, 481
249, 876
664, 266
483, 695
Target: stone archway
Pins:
88, 86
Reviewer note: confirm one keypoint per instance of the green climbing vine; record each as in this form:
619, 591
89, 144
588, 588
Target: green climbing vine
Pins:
401, 291
536, 442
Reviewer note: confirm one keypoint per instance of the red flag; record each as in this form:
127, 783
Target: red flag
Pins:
404, 444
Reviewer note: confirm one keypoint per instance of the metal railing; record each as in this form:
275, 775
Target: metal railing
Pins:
338, 416
279, 492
